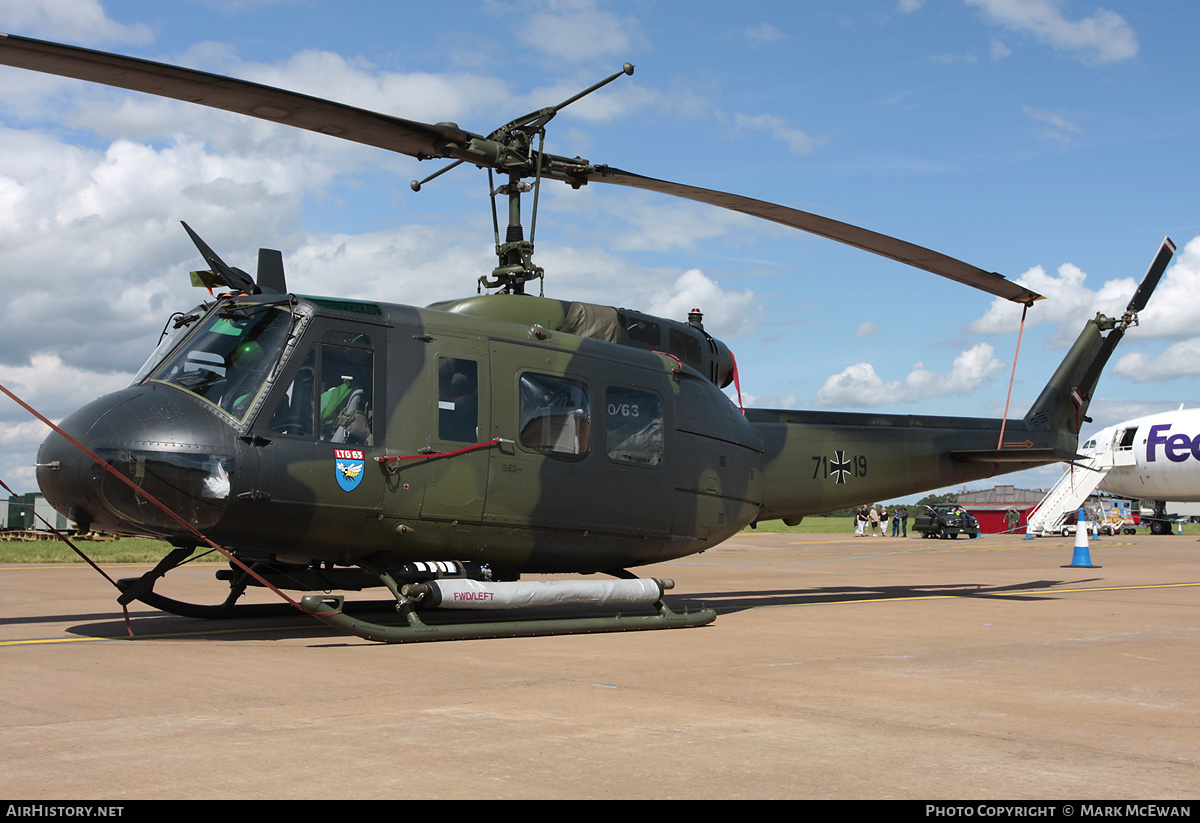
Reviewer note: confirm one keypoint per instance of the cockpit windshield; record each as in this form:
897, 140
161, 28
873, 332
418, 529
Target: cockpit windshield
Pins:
229, 357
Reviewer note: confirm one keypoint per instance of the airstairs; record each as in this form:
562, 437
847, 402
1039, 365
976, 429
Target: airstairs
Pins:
1078, 481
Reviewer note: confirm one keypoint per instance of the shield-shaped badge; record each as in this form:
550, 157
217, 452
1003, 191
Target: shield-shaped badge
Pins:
349, 465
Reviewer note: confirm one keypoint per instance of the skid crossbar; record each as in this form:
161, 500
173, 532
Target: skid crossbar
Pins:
328, 609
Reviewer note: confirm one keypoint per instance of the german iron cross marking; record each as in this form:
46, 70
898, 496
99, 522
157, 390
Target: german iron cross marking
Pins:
839, 466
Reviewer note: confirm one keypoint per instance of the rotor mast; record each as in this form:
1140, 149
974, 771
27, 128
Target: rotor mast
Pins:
509, 149
515, 253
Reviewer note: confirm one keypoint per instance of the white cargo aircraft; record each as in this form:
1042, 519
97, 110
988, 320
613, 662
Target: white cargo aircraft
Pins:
1153, 458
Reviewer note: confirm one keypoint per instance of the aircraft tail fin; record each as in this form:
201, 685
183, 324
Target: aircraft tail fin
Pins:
1063, 403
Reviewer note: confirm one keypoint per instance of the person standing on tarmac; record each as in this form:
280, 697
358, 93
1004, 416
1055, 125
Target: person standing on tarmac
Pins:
1011, 519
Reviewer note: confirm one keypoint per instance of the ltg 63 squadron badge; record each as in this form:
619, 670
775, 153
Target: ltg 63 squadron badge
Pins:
349, 465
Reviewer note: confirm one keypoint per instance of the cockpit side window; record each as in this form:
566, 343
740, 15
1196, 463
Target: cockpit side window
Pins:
229, 357
177, 328
458, 399
295, 411
633, 424
346, 409
331, 395
555, 415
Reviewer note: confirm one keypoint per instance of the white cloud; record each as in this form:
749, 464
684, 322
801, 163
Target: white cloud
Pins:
47, 380
618, 100
1106, 412
405, 265
860, 386
1172, 312
83, 21
764, 33
727, 314
578, 30
421, 96
1056, 125
662, 224
1178, 360
52, 388
1069, 303
954, 58
1104, 37
999, 49
768, 401
797, 140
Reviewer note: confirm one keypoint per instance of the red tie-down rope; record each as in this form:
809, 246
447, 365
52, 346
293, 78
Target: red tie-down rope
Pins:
150, 498
737, 381
76, 549
388, 458
1012, 379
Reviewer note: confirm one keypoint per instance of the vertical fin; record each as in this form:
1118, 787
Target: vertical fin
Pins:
1063, 403
270, 271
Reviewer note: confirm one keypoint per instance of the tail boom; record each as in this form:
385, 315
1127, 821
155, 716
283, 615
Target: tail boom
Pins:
816, 462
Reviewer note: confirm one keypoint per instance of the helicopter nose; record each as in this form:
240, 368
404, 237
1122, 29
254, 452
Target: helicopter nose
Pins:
166, 443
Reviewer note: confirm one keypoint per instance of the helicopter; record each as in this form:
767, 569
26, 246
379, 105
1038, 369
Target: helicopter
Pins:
447, 452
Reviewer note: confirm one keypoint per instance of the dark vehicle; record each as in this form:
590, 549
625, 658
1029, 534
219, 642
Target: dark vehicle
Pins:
946, 520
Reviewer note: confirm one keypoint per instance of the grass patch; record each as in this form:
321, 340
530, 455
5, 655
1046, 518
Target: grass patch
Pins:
845, 525
122, 550
810, 525
142, 550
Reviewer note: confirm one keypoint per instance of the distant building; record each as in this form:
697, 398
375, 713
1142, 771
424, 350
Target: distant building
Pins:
18, 513
14, 514
990, 506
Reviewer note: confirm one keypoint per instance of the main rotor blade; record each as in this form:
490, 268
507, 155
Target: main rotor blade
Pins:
423, 140
239, 96
865, 239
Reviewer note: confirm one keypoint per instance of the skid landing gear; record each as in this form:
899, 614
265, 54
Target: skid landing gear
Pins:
462, 593
457, 592
329, 610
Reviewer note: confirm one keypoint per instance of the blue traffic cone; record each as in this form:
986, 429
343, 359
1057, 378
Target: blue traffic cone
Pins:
1082, 558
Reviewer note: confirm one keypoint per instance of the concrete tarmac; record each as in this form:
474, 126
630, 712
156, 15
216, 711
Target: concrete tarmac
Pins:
839, 667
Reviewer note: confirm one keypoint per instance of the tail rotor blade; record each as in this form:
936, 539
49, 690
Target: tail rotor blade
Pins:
1142, 296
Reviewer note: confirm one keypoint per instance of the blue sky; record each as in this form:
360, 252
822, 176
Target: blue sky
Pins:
1052, 141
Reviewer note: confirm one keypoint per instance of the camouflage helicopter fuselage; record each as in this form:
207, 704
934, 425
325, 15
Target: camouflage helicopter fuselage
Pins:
528, 434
